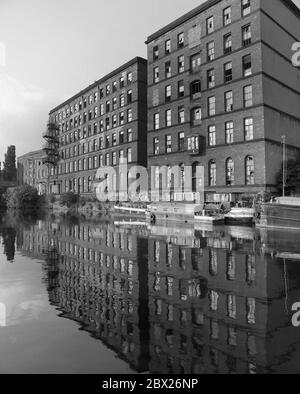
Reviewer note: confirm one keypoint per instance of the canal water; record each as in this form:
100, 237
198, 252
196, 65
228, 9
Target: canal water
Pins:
91, 296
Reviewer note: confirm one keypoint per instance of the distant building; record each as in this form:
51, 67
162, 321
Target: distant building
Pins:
222, 91
31, 171
101, 126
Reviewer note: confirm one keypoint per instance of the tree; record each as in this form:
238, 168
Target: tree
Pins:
69, 199
292, 181
23, 197
9, 171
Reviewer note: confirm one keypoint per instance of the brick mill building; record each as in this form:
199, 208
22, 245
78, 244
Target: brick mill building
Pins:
32, 171
222, 92
103, 125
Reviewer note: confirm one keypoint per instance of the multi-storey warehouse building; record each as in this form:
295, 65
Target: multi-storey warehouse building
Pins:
32, 171
101, 126
222, 93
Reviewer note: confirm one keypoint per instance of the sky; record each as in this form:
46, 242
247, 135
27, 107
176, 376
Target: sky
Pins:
50, 50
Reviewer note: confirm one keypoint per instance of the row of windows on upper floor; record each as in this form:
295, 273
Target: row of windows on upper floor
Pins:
210, 28
196, 113
98, 143
94, 162
196, 59
92, 129
110, 239
196, 86
109, 106
94, 97
173, 144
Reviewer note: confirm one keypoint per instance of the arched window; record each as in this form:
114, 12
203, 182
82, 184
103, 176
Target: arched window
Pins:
250, 170
212, 173
229, 172
196, 88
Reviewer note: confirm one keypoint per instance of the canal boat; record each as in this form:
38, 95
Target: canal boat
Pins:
283, 213
241, 216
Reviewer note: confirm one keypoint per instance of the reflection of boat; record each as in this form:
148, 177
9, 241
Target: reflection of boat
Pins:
206, 219
241, 232
284, 214
240, 216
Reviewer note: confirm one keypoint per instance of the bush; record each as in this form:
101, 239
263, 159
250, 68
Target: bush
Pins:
69, 199
23, 197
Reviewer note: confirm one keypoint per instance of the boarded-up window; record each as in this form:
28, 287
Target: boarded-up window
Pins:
194, 36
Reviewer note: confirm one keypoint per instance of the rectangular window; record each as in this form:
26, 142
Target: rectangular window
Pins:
129, 115
229, 132
121, 137
129, 135
168, 93
228, 101
180, 89
168, 70
156, 75
211, 78
181, 142
122, 82
247, 66
248, 129
129, 78
196, 116
114, 158
181, 115
227, 16
115, 103
228, 72
168, 47
212, 135
211, 106
180, 40
155, 53
181, 64
156, 121
210, 51
114, 139
248, 96
227, 43
246, 7
246, 35
107, 90
114, 121
156, 146
168, 144
122, 100
210, 25
168, 118
107, 106
121, 118
129, 96
114, 86
129, 155
196, 62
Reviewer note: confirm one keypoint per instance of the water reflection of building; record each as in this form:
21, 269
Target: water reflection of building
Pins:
101, 283
217, 308
215, 302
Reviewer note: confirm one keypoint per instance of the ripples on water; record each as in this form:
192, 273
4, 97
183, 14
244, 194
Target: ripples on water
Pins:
169, 299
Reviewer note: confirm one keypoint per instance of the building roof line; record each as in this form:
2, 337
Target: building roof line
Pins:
201, 8
137, 59
35, 152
